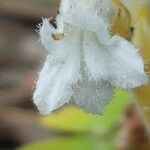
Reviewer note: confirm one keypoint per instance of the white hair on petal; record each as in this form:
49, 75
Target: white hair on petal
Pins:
85, 64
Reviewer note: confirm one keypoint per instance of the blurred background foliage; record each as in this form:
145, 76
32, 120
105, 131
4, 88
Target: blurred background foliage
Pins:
121, 127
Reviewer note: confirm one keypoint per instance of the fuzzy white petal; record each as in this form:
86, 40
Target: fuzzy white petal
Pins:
120, 63
105, 10
52, 46
54, 86
127, 67
89, 21
108, 61
45, 85
92, 96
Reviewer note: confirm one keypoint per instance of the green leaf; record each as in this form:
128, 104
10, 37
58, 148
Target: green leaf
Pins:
71, 143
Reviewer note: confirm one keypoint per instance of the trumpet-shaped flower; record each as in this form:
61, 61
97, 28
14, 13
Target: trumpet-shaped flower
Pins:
84, 62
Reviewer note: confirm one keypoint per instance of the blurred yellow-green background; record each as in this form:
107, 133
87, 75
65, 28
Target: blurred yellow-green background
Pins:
125, 122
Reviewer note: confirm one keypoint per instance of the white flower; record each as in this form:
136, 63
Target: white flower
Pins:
84, 62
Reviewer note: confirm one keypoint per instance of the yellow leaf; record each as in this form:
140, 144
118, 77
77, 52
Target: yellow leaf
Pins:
121, 21
74, 119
